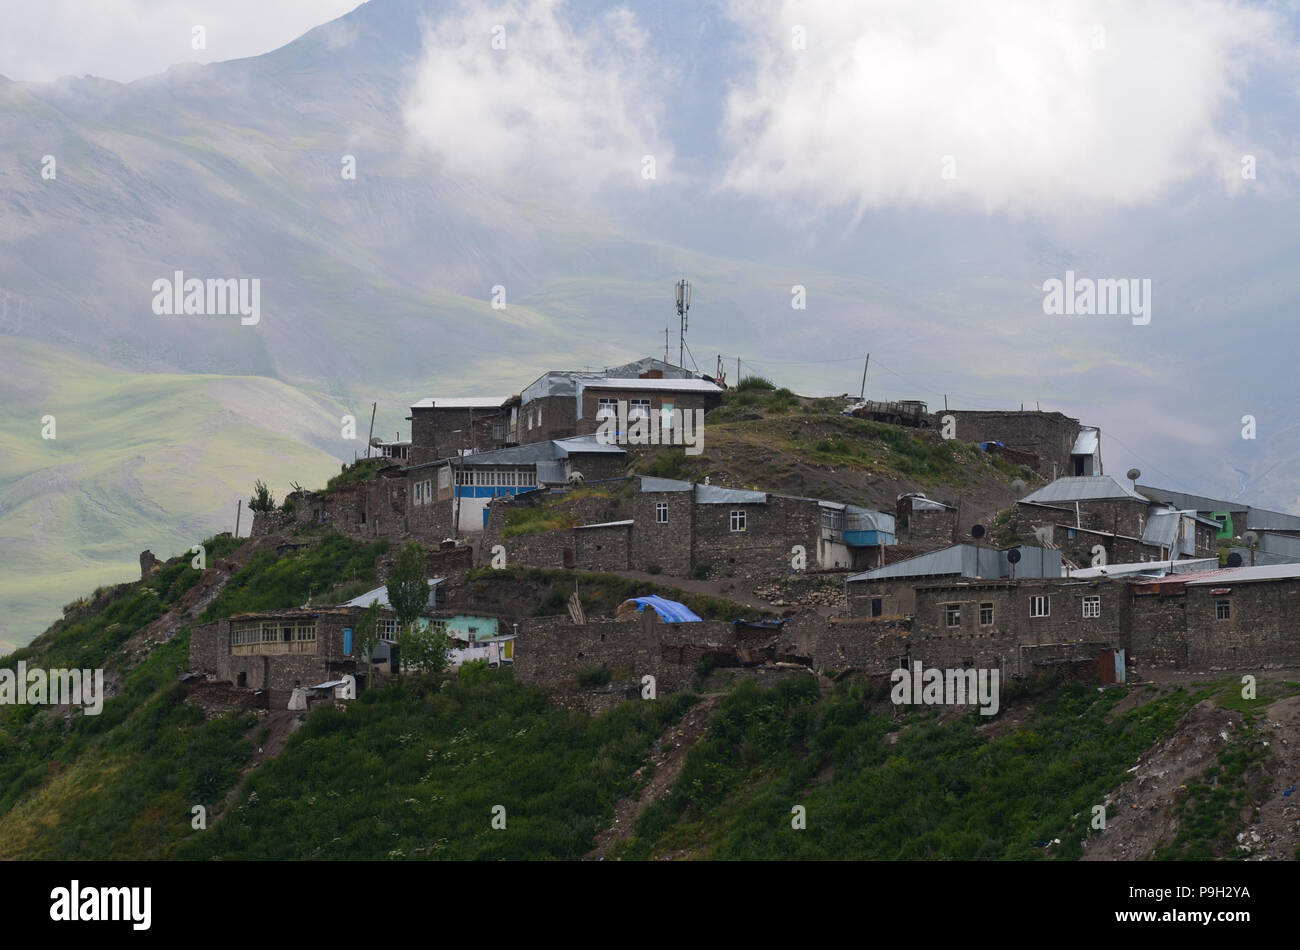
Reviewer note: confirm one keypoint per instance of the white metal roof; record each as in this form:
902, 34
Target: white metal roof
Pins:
1246, 575
1082, 488
605, 524
459, 402
671, 385
1186, 566
381, 594
1086, 443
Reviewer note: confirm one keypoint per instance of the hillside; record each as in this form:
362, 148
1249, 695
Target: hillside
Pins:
415, 771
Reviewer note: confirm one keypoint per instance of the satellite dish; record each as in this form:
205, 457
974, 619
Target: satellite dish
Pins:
977, 531
1013, 556
1234, 559
1133, 474
1018, 485
1250, 537
575, 478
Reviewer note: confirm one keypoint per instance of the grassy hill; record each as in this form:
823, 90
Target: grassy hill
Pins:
415, 771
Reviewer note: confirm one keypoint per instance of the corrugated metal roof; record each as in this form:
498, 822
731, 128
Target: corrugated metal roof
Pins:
534, 452
566, 382
969, 560
651, 484
459, 402
1082, 488
1184, 500
1158, 568
669, 611
1258, 519
585, 445
605, 524
717, 495
1246, 575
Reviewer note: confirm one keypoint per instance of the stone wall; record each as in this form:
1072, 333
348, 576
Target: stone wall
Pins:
663, 545
764, 547
1157, 626
554, 649
1049, 435
897, 597
603, 549
686, 402
434, 432
925, 530
1261, 631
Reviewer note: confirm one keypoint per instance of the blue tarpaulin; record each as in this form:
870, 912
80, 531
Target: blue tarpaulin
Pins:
669, 611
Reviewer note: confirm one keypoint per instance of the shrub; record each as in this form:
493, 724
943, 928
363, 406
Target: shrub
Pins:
701, 572
754, 382
653, 569
262, 499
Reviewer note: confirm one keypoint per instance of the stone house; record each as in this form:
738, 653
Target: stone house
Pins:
889, 592
277, 651
653, 399
924, 523
1231, 619
680, 526
434, 505
551, 406
1051, 436
444, 427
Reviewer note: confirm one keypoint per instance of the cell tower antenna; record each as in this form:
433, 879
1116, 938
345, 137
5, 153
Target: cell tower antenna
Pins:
683, 296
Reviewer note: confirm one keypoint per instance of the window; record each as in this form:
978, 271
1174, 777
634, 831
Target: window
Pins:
877, 606
607, 409
666, 416
1092, 606
419, 489
986, 614
638, 409
269, 632
444, 478
1223, 610
428, 490
1039, 605
389, 628
306, 630
952, 614
661, 512
738, 520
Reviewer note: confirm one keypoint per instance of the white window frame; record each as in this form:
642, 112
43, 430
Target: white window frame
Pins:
952, 615
739, 517
661, 512
1092, 606
638, 408
992, 613
606, 408
1043, 601
1226, 604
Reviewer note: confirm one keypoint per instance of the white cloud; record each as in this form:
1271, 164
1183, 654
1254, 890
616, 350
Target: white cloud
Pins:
1035, 117
560, 106
129, 39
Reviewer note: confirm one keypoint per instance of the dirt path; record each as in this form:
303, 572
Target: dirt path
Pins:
668, 758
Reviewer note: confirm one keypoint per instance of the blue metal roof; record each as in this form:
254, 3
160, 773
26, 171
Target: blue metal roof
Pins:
669, 611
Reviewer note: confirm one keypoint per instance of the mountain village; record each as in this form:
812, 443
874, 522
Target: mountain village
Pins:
1098, 579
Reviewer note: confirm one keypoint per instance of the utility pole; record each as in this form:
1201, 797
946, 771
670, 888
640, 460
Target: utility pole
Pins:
737, 370
238, 511
373, 407
665, 344
863, 393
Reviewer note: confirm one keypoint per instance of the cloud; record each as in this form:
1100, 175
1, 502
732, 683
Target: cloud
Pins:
561, 105
1027, 106
128, 39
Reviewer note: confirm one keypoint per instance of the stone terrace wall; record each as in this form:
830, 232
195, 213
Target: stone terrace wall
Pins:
1049, 435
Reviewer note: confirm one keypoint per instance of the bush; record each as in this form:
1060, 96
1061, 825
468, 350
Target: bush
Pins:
754, 382
701, 572
653, 569
262, 499
705, 665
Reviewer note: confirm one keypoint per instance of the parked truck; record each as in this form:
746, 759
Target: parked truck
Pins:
904, 412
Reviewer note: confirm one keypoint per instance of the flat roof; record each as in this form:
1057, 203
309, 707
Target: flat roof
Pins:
672, 385
459, 402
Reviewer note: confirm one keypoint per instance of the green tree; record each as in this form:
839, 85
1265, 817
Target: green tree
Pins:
368, 632
424, 650
408, 585
262, 499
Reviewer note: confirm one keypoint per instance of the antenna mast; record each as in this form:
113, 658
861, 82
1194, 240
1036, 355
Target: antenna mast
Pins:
683, 295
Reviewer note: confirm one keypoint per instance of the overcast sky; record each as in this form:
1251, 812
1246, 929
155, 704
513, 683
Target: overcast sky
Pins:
128, 39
